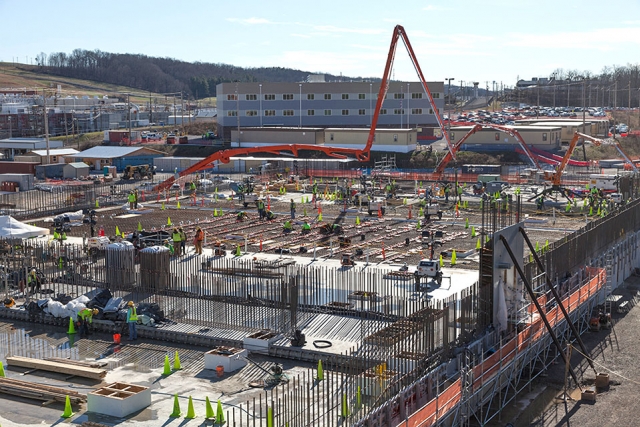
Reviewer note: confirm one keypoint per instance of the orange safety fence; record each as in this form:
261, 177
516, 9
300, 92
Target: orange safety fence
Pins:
483, 373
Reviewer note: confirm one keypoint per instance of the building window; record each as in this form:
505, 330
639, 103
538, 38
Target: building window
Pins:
435, 95
269, 97
452, 136
287, 96
345, 96
331, 136
311, 112
497, 136
398, 96
383, 111
417, 95
327, 96
54, 159
362, 112
232, 113
232, 97
430, 110
345, 112
251, 97
362, 96
311, 96
544, 136
416, 111
251, 113
287, 113
269, 112
395, 137
327, 112
398, 111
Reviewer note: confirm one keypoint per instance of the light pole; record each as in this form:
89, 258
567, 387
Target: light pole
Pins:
260, 104
449, 111
300, 123
10, 128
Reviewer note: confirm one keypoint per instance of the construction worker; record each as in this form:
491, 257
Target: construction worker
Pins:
292, 207
287, 227
33, 281
336, 228
168, 246
446, 193
135, 199
306, 228
242, 215
199, 239
269, 215
132, 320
177, 238
183, 241
85, 317
261, 212
540, 203
132, 200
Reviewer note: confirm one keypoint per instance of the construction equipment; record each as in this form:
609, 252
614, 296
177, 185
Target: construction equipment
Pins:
275, 374
209, 135
347, 260
509, 131
555, 177
138, 172
360, 154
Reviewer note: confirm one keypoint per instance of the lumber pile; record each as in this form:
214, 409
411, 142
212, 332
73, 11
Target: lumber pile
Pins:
39, 391
55, 366
88, 364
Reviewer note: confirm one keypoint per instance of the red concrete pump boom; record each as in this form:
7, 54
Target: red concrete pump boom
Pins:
509, 131
361, 155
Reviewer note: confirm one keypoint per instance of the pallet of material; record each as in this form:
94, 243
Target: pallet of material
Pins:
61, 367
39, 391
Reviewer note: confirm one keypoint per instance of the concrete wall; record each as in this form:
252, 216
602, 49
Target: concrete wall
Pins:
545, 138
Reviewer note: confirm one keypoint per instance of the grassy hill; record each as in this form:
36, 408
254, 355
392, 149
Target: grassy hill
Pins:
27, 76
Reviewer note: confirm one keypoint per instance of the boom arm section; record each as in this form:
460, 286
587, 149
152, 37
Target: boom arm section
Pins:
556, 177
509, 131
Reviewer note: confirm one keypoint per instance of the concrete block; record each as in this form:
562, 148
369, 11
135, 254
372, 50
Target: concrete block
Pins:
118, 399
231, 358
260, 341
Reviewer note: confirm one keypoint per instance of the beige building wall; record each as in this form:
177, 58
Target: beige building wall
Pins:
253, 137
393, 140
544, 138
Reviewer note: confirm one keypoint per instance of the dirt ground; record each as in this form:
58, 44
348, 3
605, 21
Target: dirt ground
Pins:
614, 352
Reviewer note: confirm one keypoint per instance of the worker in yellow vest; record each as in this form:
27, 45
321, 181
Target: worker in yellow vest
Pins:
132, 320
177, 239
85, 317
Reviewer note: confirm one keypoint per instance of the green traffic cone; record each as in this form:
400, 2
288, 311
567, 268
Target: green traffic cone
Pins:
345, 406
358, 398
176, 408
466, 223
117, 231
68, 412
176, 362
219, 414
72, 328
453, 257
167, 366
478, 246
441, 261
191, 413
238, 250
1, 370
269, 417
139, 226
473, 231
97, 204
320, 375
209, 409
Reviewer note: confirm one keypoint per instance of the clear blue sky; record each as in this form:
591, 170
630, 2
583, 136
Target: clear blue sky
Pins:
481, 40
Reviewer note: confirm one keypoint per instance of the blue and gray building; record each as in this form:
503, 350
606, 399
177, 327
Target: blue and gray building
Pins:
328, 104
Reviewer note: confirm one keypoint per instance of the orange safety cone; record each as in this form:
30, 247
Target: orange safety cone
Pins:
410, 213
260, 243
457, 211
379, 212
143, 196
384, 254
202, 201
176, 196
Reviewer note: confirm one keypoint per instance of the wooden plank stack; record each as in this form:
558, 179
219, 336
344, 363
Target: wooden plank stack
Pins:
55, 366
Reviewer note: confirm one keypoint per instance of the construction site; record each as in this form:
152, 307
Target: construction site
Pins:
322, 313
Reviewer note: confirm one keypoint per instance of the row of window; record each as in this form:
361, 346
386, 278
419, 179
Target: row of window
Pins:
499, 135
361, 112
326, 96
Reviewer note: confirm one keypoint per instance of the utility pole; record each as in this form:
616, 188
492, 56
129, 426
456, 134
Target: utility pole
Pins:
538, 101
46, 124
129, 104
181, 114
150, 109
